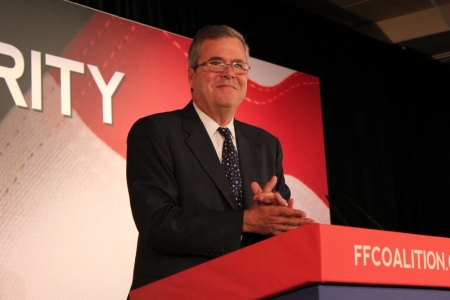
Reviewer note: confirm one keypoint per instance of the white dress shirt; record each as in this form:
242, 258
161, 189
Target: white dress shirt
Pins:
211, 127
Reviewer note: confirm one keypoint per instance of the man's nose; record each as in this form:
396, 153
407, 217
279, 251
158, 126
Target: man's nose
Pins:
228, 72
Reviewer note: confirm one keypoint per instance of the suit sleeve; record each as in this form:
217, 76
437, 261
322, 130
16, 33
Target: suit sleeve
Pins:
281, 183
164, 226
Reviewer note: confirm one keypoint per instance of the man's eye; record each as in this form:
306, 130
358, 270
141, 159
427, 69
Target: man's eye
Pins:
216, 63
237, 65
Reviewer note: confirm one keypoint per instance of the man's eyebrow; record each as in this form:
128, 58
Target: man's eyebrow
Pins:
216, 58
221, 59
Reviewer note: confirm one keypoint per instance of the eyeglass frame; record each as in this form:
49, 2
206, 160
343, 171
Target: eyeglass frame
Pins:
209, 62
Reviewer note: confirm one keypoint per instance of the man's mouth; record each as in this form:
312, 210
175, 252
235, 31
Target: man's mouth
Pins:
226, 86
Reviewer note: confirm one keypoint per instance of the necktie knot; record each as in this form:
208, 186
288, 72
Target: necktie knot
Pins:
225, 132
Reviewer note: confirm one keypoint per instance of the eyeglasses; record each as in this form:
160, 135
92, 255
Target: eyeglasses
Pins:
218, 66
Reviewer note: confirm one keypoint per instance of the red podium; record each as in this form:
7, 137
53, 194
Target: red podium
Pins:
315, 253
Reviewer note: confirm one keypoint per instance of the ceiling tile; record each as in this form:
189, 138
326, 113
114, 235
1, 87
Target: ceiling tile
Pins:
430, 45
377, 10
331, 11
415, 5
343, 3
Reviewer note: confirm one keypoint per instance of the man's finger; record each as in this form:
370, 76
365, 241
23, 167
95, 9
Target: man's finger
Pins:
288, 212
265, 199
280, 199
289, 225
256, 189
268, 187
291, 203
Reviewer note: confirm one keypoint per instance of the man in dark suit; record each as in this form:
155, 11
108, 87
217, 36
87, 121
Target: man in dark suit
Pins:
190, 206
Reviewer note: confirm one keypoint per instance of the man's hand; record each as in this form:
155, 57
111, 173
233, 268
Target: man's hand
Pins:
270, 213
273, 220
265, 196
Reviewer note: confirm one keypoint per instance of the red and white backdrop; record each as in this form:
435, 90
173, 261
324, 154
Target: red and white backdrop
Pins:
66, 230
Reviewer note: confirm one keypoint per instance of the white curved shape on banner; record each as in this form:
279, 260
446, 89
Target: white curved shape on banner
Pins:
267, 74
66, 225
305, 199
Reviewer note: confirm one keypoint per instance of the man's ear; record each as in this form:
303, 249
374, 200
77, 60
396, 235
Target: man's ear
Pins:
191, 74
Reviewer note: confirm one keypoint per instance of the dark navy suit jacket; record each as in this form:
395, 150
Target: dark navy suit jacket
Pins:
181, 201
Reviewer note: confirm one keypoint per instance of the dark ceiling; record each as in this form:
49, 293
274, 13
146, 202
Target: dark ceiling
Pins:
421, 25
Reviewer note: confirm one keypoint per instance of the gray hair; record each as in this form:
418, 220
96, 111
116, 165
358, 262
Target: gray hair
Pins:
213, 32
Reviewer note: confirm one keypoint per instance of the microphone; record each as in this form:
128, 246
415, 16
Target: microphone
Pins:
363, 212
337, 211
341, 216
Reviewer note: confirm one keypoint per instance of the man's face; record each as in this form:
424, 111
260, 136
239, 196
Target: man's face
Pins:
213, 92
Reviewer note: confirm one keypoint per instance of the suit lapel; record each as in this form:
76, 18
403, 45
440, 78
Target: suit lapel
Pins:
200, 144
248, 162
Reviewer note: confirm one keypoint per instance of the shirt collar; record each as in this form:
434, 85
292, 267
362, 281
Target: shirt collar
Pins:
211, 125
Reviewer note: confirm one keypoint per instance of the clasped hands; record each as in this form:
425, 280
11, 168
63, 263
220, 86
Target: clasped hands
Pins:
270, 213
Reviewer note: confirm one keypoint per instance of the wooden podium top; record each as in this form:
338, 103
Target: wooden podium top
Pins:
313, 253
